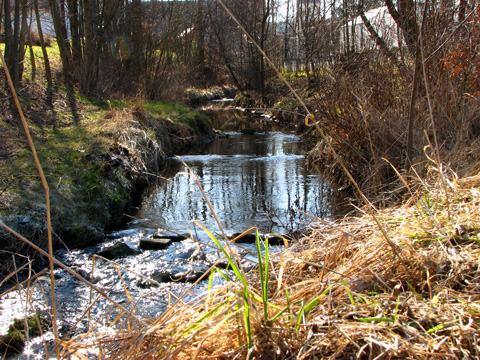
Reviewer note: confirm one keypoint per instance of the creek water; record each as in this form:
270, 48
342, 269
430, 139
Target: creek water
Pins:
251, 181
257, 180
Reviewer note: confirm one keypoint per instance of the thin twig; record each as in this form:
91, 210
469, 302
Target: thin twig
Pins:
310, 121
430, 110
23, 283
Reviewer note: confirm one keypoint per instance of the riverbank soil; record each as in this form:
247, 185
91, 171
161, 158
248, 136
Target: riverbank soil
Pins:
97, 156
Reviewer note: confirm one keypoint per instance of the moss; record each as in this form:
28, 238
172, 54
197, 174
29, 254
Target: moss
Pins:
36, 324
244, 100
14, 341
289, 111
199, 124
166, 109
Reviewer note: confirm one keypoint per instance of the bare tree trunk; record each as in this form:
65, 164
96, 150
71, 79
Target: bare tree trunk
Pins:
226, 59
48, 72
75, 31
419, 67
346, 34
374, 34
411, 111
8, 35
89, 74
286, 39
23, 38
30, 46
199, 29
406, 20
462, 10
15, 44
61, 40
333, 48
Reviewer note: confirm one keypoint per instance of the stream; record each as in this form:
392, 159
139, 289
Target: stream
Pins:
257, 180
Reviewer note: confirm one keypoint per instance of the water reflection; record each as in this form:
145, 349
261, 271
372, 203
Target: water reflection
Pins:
254, 180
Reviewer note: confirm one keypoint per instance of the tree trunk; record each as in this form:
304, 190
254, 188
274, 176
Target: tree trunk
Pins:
374, 34
32, 55
8, 35
61, 36
75, 31
48, 72
23, 38
411, 111
406, 20
462, 10
14, 72
88, 80
199, 29
346, 33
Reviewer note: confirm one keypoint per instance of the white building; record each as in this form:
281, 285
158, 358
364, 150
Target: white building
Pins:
381, 21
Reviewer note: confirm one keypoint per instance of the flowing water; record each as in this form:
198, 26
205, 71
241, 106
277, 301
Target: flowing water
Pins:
251, 180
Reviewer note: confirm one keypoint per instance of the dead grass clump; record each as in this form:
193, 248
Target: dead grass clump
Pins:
341, 293
197, 96
135, 148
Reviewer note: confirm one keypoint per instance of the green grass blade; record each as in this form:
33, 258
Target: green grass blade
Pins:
238, 273
437, 328
396, 309
227, 255
263, 275
352, 301
225, 276
206, 316
260, 300
210, 281
307, 308
375, 319
246, 318
267, 260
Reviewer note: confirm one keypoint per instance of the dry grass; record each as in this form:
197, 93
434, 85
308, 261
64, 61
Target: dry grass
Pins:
339, 293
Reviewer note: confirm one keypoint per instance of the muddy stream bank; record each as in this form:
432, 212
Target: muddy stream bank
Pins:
252, 180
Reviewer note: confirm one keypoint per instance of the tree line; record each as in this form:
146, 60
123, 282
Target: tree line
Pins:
154, 47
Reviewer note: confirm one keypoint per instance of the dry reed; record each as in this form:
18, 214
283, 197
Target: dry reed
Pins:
340, 293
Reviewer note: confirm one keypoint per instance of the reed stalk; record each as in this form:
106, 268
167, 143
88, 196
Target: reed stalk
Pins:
47, 195
310, 121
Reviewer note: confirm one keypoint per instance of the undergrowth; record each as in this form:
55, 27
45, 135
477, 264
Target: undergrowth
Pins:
338, 293
342, 291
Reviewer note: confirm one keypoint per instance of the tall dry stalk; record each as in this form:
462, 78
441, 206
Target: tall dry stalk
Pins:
47, 195
310, 121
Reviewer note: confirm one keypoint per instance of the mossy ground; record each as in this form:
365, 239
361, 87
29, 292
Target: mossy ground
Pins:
95, 154
14, 341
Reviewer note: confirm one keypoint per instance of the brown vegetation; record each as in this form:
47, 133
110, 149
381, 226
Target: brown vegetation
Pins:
338, 293
403, 286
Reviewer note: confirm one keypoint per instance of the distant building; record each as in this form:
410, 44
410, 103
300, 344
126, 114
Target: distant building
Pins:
311, 14
360, 38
